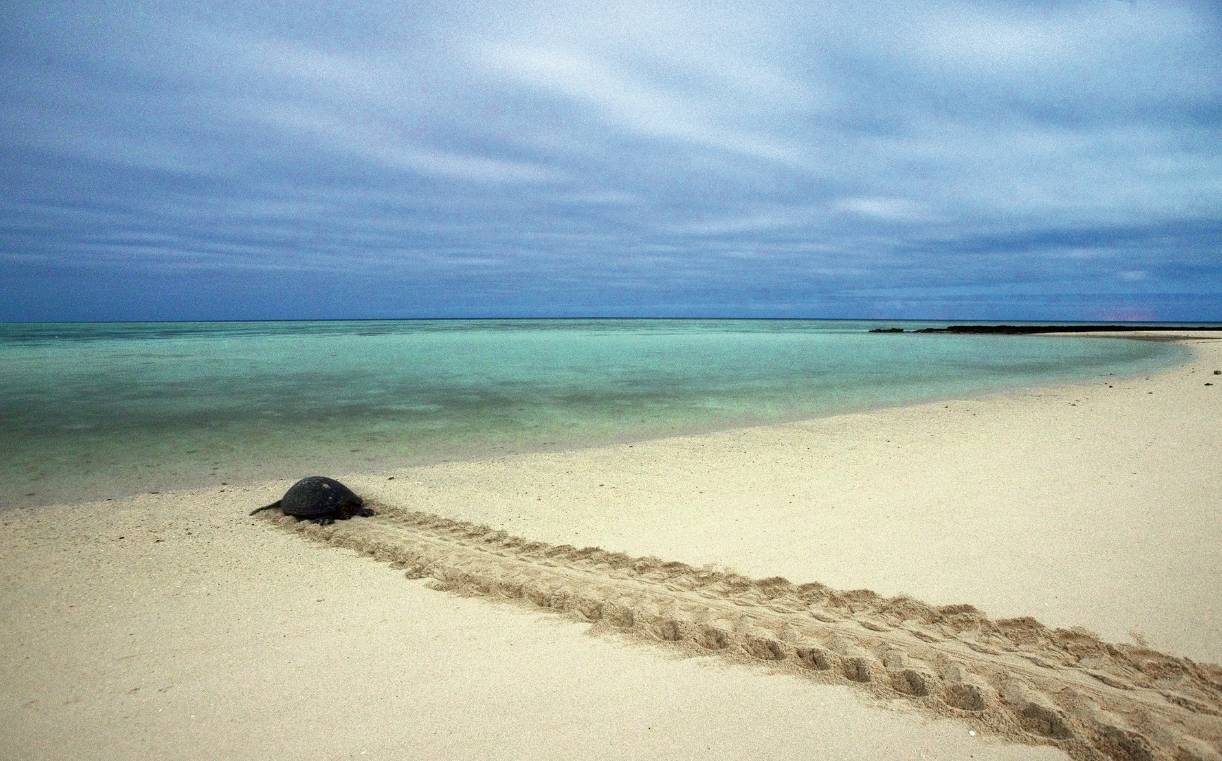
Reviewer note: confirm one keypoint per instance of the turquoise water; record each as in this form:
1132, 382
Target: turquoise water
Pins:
115, 409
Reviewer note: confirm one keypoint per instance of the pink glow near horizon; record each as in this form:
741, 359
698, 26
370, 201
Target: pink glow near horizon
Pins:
1129, 314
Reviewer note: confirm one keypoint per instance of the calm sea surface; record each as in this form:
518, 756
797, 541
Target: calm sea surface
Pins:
114, 409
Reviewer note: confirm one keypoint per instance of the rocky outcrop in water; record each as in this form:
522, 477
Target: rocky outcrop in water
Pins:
1031, 329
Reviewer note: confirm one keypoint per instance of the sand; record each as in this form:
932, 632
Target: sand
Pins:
174, 626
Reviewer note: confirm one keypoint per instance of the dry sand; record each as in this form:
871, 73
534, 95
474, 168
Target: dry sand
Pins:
173, 626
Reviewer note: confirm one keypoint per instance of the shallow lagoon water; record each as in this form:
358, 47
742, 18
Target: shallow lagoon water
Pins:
107, 410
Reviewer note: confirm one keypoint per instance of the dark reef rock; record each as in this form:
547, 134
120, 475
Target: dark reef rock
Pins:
1078, 328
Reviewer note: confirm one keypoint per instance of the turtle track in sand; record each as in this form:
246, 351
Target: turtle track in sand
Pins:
1012, 677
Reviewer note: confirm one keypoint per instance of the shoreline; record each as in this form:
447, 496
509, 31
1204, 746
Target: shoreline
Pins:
1081, 505
197, 480
760, 550
374, 480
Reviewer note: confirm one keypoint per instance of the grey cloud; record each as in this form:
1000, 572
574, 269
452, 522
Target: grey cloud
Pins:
836, 156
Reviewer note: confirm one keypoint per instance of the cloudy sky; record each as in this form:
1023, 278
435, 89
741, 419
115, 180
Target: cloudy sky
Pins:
282, 160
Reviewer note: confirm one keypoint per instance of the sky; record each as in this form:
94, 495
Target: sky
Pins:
881, 160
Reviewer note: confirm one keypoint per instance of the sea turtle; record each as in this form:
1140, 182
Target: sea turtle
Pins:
319, 499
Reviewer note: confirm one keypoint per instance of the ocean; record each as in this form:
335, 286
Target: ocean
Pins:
109, 410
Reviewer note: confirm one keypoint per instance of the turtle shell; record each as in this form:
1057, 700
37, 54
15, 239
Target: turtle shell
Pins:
320, 497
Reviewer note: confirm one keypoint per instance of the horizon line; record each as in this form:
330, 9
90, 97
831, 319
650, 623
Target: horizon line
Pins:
1000, 320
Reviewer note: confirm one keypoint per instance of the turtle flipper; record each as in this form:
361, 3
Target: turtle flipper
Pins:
266, 507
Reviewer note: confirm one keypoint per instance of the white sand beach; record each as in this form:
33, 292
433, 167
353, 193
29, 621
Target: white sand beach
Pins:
175, 626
